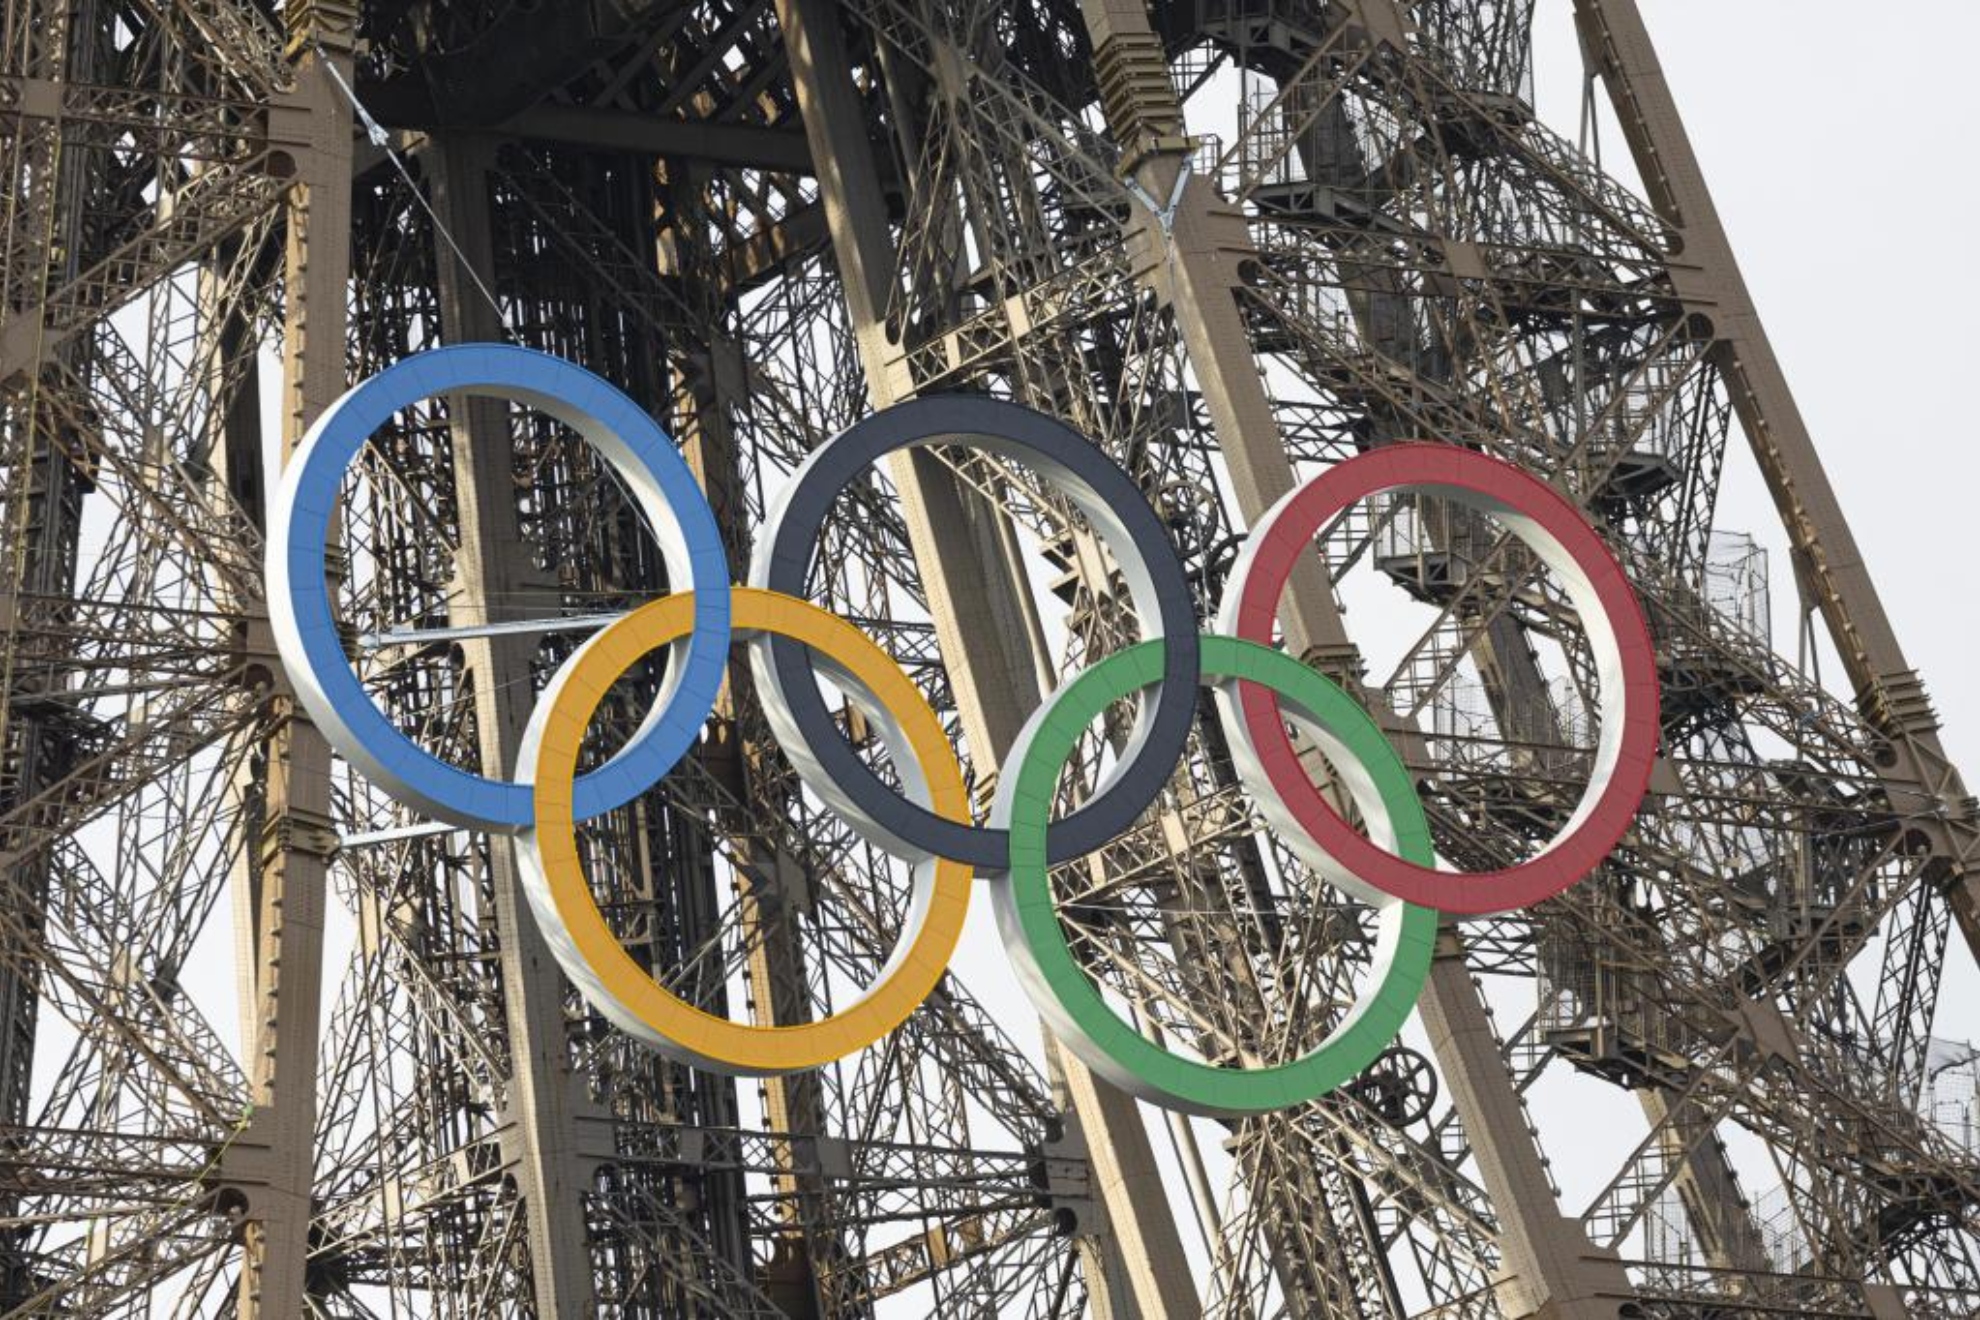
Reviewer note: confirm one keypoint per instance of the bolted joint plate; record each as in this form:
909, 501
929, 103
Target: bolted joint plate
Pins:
1138, 98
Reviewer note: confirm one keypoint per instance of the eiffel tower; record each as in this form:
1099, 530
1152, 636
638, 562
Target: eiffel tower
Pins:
270, 1046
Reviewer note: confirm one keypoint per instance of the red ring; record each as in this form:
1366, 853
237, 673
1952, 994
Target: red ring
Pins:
1286, 533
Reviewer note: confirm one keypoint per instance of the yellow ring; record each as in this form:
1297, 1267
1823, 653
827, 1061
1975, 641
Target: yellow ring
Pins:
575, 928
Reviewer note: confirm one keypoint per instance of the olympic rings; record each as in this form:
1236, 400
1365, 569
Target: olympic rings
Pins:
575, 929
1125, 521
1625, 661
1068, 1000
791, 643
306, 630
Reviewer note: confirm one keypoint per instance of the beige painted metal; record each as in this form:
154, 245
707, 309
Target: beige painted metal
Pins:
540, 1141
275, 1159
1924, 785
1709, 1189
1201, 245
1777, 1074
986, 633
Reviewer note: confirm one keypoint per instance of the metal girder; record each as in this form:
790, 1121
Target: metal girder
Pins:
982, 196
971, 582
1707, 277
273, 1161
593, 129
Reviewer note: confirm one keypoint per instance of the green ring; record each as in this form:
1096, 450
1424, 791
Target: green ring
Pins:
1068, 999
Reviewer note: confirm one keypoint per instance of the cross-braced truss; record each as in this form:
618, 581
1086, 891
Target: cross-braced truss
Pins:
1233, 241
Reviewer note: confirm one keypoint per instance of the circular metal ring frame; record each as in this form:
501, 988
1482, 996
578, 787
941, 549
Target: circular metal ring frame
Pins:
1611, 617
575, 929
1125, 522
1060, 988
305, 626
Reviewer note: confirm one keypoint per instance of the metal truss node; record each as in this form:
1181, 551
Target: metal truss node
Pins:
1234, 242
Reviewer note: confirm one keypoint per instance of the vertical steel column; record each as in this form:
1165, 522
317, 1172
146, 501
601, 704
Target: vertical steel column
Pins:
802, 1256
992, 670
39, 528
1197, 246
540, 1136
1922, 782
793, 1104
1708, 1188
284, 982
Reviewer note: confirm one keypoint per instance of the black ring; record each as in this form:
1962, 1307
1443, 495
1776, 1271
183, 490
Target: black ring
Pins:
1119, 512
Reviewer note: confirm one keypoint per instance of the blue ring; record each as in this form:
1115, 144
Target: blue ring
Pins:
313, 484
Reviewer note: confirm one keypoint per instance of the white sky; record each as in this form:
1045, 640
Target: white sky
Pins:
1851, 214
1850, 209
1863, 283
1803, 170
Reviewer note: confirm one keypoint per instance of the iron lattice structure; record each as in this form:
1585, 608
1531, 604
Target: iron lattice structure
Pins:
761, 220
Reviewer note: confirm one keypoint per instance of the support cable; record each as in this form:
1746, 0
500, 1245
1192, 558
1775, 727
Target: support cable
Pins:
381, 138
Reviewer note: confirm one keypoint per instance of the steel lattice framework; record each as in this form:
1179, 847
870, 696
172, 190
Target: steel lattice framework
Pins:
763, 218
